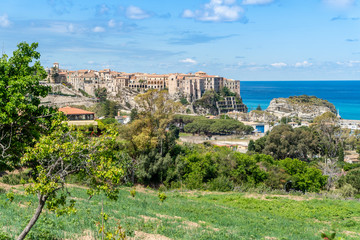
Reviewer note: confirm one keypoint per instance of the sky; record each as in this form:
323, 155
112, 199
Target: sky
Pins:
239, 39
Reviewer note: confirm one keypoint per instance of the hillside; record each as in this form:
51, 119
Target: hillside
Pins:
304, 107
188, 215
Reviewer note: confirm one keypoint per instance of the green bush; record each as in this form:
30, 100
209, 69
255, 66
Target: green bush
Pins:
353, 178
303, 178
15, 179
347, 191
4, 236
221, 184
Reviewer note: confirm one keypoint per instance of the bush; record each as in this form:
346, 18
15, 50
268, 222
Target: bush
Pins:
4, 236
347, 191
15, 179
353, 178
221, 184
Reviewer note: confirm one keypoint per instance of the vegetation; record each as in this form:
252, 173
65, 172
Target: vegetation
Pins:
22, 119
146, 151
190, 215
311, 100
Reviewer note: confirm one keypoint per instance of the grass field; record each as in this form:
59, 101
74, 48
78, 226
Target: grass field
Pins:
188, 215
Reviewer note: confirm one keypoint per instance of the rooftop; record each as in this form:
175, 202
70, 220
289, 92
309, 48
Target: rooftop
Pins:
73, 111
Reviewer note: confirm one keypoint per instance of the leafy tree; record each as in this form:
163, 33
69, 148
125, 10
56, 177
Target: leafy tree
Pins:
303, 178
149, 132
22, 119
101, 94
251, 146
63, 153
284, 141
259, 108
184, 101
247, 170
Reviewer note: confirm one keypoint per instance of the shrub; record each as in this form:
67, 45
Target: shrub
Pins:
347, 191
353, 178
4, 236
221, 184
303, 178
133, 192
15, 179
162, 196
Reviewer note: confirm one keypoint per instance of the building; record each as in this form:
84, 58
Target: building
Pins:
79, 117
230, 104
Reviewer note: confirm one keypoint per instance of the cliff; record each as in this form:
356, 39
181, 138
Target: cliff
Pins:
304, 107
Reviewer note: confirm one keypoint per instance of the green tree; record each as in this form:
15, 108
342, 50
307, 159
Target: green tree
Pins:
259, 108
303, 178
22, 119
63, 153
148, 136
101, 94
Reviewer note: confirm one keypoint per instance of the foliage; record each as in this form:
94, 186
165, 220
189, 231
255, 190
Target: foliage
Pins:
218, 215
328, 236
284, 141
133, 192
247, 170
22, 119
106, 108
303, 178
208, 101
311, 100
162, 196
184, 101
4, 236
63, 153
258, 108
353, 178
149, 138
15, 179
210, 127
101, 94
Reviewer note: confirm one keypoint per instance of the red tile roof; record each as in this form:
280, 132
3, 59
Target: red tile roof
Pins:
73, 111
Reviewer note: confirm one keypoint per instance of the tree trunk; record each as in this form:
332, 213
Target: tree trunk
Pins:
42, 201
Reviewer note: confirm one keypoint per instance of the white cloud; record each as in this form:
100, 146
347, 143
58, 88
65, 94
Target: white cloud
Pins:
112, 23
4, 21
71, 28
136, 13
339, 3
216, 11
279, 64
98, 29
256, 2
303, 64
188, 60
350, 63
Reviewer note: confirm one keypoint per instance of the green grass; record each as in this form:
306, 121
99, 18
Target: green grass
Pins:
192, 215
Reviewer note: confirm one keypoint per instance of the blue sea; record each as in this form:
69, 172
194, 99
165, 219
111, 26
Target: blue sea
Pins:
345, 95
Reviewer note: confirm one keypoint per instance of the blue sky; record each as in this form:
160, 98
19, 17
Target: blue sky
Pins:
240, 39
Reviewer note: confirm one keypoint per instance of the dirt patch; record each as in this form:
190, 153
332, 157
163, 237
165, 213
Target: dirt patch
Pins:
167, 216
351, 234
270, 238
148, 236
147, 218
270, 197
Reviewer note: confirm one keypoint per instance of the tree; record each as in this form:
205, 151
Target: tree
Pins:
259, 108
22, 119
63, 153
148, 135
101, 94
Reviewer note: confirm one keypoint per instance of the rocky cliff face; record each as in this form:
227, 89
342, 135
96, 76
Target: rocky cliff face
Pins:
303, 107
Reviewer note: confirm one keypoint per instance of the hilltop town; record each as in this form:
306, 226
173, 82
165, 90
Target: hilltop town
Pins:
191, 86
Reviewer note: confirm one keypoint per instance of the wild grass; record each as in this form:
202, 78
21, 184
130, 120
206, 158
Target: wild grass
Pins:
189, 215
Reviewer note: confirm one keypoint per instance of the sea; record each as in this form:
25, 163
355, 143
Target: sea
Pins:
345, 95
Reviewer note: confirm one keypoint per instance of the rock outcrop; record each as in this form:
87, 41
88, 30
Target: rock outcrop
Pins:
304, 107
